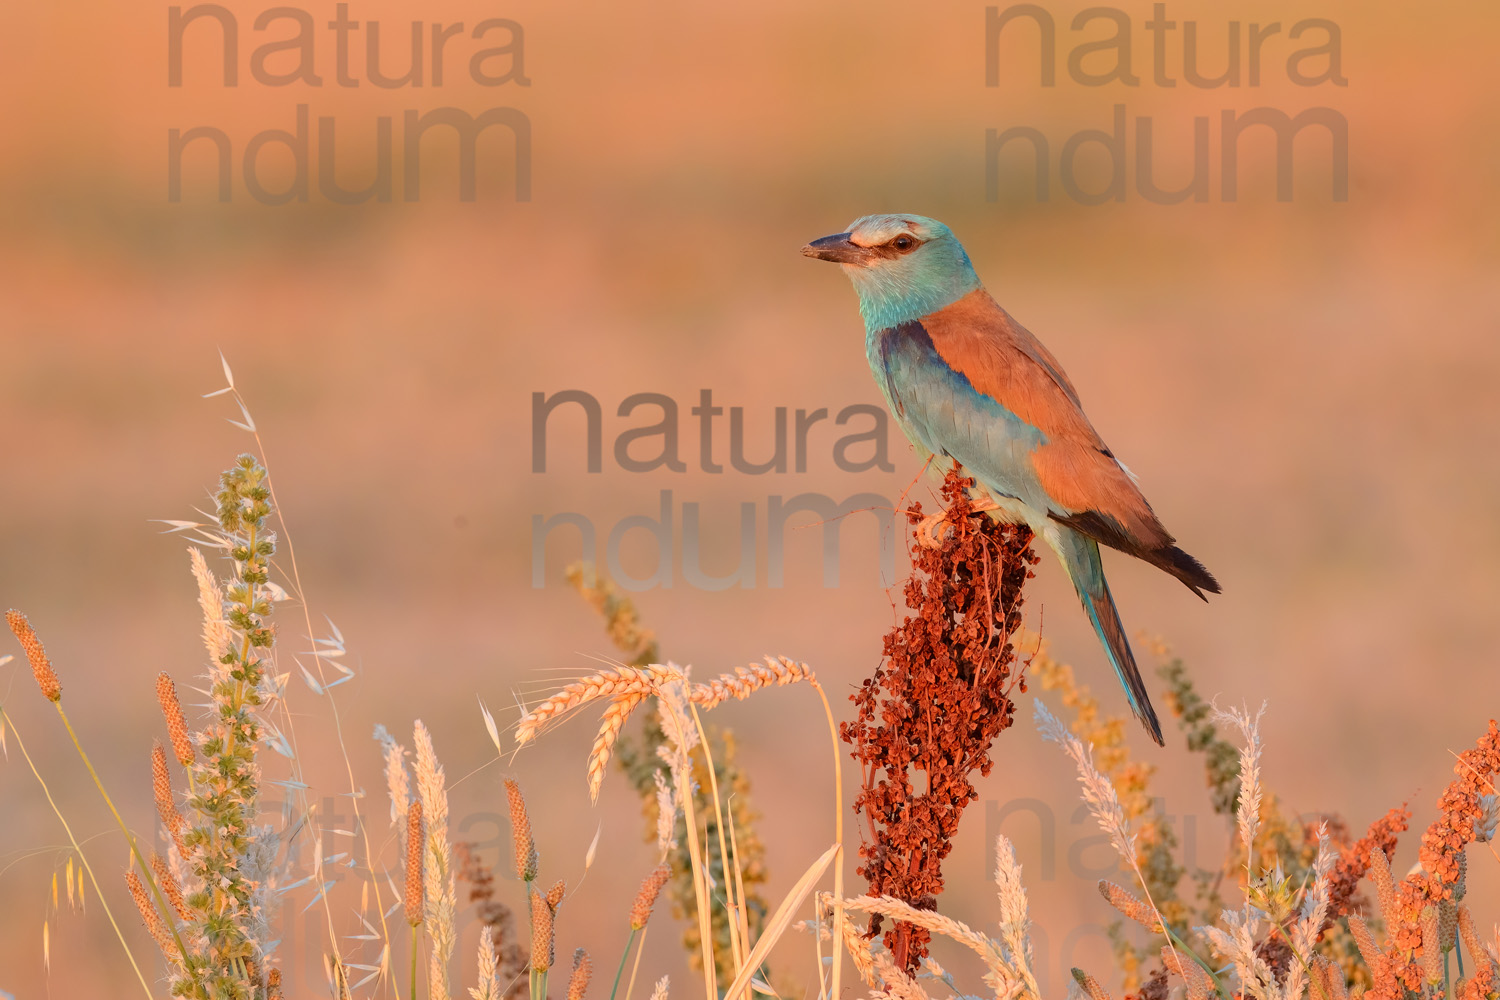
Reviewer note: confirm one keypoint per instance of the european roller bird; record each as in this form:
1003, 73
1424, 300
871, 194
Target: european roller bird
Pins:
967, 383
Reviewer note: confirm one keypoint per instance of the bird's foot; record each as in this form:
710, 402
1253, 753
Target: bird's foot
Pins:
931, 531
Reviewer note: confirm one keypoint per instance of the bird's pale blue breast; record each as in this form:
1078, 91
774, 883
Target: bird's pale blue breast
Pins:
942, 413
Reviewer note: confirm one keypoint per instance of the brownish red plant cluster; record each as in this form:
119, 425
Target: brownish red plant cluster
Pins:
936, 703
1434, 891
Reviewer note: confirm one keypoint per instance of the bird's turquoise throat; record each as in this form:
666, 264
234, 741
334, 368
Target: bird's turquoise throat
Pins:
890, 297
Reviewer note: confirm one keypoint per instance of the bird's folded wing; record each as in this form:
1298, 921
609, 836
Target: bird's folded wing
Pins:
1005, 409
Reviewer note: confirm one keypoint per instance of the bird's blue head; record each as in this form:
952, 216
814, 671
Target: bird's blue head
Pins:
902, 266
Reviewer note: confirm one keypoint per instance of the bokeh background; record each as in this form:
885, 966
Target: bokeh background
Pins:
1306, 390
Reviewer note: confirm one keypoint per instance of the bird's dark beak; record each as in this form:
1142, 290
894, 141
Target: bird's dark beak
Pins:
838, 249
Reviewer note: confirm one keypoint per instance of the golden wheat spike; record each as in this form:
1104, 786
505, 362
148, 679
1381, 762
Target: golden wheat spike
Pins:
610, 726
612, 683
745, 681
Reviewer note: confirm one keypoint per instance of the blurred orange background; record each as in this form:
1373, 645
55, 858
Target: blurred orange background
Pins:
1306, 390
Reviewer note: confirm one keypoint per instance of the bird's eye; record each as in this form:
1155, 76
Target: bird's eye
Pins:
903, 243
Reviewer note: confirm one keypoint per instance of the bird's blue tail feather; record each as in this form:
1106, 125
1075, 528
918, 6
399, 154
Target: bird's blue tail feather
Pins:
1080, 557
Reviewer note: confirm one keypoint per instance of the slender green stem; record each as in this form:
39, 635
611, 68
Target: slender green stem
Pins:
161, 902
414, 961
76, 848
624, 955
630, 988
1218, 986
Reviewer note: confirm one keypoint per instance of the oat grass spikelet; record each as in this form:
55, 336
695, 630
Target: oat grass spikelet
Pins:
36, 655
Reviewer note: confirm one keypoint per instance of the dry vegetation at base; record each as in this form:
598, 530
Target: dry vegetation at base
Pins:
1286, 916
